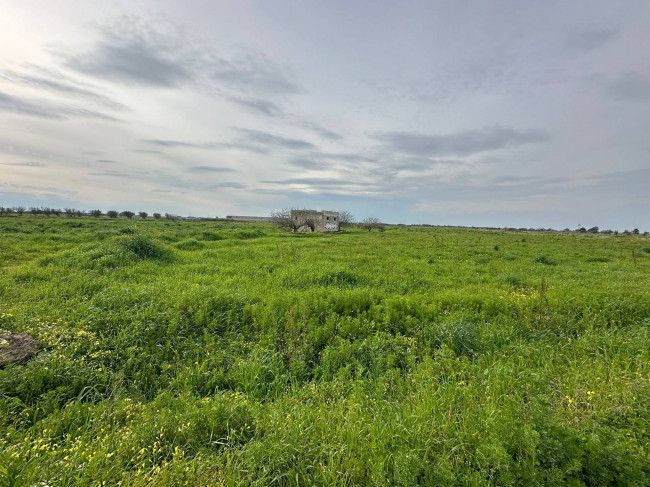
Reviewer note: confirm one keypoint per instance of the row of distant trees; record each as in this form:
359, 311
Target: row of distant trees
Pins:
281, 218
73, 212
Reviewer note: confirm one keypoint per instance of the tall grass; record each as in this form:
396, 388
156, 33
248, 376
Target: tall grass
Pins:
209, 353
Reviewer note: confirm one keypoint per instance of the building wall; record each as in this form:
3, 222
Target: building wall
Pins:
325, 221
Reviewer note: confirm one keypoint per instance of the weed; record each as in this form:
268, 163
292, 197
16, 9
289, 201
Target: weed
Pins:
543, 259
144, 248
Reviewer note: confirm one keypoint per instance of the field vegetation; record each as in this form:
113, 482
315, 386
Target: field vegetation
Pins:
215, 353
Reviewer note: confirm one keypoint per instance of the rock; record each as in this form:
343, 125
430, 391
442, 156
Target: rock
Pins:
17, 349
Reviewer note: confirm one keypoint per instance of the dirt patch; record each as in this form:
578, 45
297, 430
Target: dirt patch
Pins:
17, 349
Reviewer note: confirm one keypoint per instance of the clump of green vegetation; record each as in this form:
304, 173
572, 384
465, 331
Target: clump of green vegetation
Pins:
248, 234
211, 236
543, 259
338, 278
462, 336
339, 359
144, 248
598, 259
514, 281
190, 244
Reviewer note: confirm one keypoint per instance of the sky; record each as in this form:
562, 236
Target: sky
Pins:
476, 113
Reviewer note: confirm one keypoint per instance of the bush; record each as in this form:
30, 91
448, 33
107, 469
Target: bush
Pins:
211, 236
340, 278
144, 248
463, 337
248, 234
543, 259
190, 244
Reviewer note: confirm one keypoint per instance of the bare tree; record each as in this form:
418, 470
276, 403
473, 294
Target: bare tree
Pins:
157, 216
19, 209
310, 223
370, 223
69, 212
345, 219
283, 219
96, 213
143, 214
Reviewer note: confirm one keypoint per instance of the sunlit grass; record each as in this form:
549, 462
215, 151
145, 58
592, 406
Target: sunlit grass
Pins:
220, 353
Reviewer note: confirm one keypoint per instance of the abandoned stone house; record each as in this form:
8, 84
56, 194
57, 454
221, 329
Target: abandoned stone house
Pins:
322, 221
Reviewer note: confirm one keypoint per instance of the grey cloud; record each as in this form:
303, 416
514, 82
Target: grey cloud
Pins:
208, 169
32, 188
346, 157
179, 143
459, 144
147, 151
323, 160
133, 51
258, 105
308, 163
253, 73
230, 185
315, 182
631, 87
105, 160
54, 82
590, 38
24, 164
324, 185
47, 109
258, 140
114, 174
322, 131
131, 63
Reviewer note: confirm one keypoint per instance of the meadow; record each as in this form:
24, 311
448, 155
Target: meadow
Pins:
214, 353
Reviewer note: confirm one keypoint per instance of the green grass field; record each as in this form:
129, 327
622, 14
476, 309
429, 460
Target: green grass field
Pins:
207, 353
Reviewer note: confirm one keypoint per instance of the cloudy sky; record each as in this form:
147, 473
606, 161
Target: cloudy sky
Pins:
496, 113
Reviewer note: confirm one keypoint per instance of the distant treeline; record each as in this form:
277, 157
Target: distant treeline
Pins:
74, 212
580, 229
368, 223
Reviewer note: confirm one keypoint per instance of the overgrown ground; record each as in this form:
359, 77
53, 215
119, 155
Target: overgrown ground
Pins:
219, 353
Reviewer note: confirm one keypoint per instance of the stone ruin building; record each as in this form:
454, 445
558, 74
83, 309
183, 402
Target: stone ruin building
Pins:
322, 221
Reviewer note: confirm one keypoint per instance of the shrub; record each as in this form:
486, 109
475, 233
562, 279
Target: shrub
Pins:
340, 278
598, 259
543, 259
514, 281
463, 337
190, 244
144, 248
211, 236
248, 234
